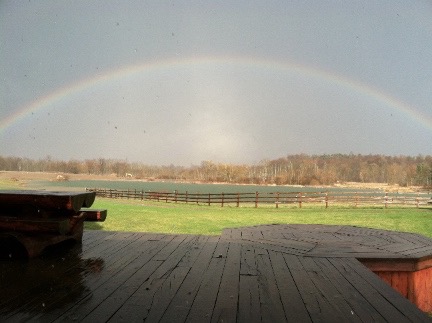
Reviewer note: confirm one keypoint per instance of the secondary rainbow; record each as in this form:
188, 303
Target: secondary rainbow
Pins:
172, 64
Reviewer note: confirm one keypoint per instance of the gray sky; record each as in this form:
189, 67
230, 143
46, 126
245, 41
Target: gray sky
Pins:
164, 82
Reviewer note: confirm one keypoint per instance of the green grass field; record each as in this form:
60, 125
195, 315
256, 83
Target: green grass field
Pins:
147, 216
144, 216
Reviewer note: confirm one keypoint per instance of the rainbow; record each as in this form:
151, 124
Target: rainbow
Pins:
171, 64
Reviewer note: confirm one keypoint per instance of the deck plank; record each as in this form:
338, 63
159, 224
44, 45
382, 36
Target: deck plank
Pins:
116, 267
271, 305
170, 286
404, 306
145, 281
24, 292
201, 309
179, 306
328, 293
317, 304
225, 309
249, 301
359, 305
360, 281
294, 307
157, 292
261, 273
116, 278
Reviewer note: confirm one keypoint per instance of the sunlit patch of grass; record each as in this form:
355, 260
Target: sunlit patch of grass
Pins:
9, 184
145, 216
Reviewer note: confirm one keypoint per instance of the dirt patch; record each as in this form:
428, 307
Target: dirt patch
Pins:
380, 186
24, 177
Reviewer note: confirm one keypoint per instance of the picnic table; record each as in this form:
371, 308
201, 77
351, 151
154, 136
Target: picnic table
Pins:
31, 220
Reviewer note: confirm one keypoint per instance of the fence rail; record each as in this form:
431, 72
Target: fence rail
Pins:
276, 198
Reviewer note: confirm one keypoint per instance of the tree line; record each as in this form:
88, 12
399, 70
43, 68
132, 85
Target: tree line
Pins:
299, 169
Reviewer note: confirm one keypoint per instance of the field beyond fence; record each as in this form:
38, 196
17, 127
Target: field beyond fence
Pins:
278, 199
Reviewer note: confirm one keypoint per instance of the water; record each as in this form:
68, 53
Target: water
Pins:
182, 187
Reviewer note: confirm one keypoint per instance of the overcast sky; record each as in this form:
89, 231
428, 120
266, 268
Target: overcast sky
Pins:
180, 82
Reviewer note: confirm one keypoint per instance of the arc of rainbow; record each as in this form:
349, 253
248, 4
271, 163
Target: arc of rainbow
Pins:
303, 70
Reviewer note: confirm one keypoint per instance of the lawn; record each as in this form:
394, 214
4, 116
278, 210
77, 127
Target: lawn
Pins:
147, 216
144, 216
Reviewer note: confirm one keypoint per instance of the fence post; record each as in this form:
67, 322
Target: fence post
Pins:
238, 199
277, 200
222, 199
326, 199
142, 195
300, 200
187, 196
386, 199
356, 199
175, 196
256, 199
417, 200
208, 199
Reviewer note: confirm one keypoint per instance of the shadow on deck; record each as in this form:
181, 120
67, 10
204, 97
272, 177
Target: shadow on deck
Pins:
275, 273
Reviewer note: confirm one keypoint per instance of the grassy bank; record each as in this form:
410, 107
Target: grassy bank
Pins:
129, 215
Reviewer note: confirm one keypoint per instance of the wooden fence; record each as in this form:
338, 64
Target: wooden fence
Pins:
273, 198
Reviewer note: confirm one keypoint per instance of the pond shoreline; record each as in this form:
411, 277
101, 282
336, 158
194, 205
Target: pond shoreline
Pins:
22, 179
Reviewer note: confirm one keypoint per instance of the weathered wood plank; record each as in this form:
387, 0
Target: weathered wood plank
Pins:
248, 261
161, 287
201, 309
420, 252
79, 274
221, 250
383, 298
11, 200
181, 302
360, 305
158, 277
316, 305
271, 305
249, 303
400, 303
102, 286
225, 309
329, 294
170, 287
142, 278
295, 309
42, 264
56, 225
345, 250
98, 215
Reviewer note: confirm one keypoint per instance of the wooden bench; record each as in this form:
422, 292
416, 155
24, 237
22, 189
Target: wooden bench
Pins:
38, 219
93, 215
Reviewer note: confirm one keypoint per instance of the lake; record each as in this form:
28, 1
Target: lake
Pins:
182, 187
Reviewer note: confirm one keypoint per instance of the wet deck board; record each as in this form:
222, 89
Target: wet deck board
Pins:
244, 275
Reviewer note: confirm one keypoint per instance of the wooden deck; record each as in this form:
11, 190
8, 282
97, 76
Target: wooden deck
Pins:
270, 273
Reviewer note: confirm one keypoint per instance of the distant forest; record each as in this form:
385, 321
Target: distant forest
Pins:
293, 169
